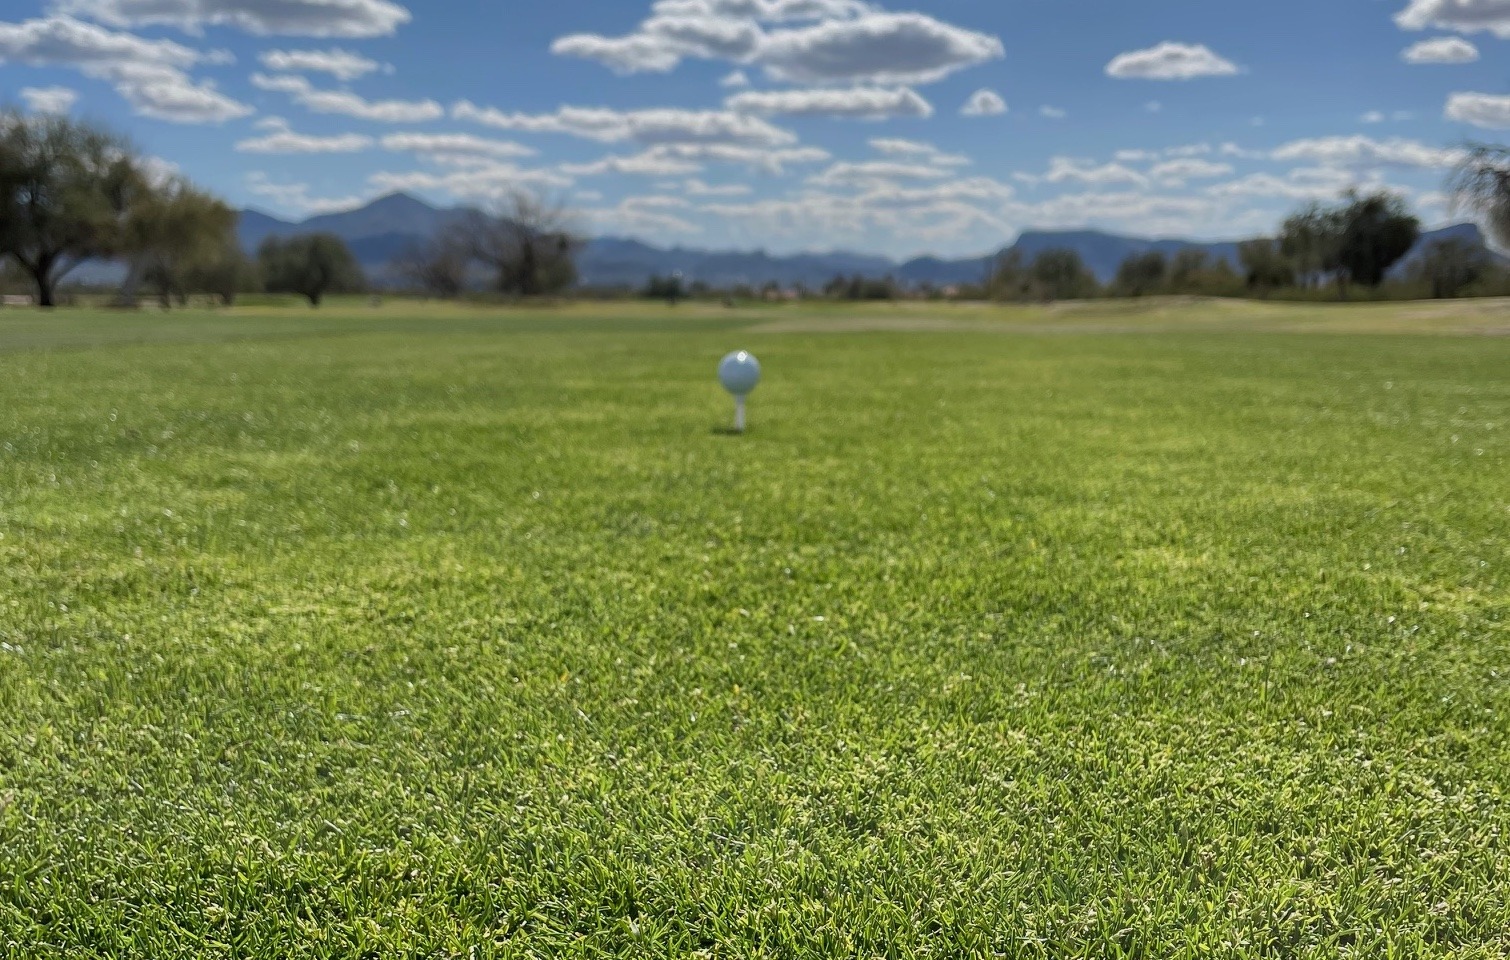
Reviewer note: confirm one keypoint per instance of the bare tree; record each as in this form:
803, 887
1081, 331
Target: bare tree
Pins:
1482, 183
529, 243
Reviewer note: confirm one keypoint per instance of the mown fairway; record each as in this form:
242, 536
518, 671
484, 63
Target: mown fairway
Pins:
386, 636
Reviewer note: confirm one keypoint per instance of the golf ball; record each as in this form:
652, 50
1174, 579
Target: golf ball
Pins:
739, 373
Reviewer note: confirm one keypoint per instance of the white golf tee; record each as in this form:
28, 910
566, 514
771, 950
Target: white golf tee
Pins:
739, 414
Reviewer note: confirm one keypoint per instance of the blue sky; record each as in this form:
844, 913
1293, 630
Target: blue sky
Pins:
942, 126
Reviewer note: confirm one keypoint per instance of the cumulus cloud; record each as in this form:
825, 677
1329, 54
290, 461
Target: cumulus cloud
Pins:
282, 139
1305, 184
650, 163
1067, 169
1464, 16
1441, 50
296, 196
49, 99
1171, 61
766, 159
849, 174
882, 48
450, 146
984, 103
491, 182
149, 74
1487, 110
655, 215
1175, 173
648, 127
341, 64
1360, 151
897, 147
348, 104
842, 42
697, 188
1053, 113
306, 18
735, 81
859, 103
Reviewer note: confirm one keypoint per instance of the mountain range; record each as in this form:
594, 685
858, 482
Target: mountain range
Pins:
378, 231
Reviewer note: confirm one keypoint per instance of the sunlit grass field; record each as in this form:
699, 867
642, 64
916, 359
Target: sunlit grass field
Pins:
1159, 631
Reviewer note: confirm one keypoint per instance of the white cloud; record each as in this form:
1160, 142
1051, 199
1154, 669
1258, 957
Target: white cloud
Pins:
1301, 185
886, 212
1154, 106
773, 161
1067, 169
348, 104
735, 81
341, 64
882, 48
1135, 211
870, 172
767, 11
984, 103
859, 103
1441, 50
49, 99
897, 147
308, 18
697, 188
1464, 16
1373, 116
443, 146
648, 127
282, 139
1053, 113
652, 215
295, 196
1487, 110
844, 42
483, 183
651, 163
149, 74
1360, 151
1175, 173
1171, 61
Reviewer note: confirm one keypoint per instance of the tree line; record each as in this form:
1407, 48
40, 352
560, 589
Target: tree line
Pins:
72, 192
1323, 250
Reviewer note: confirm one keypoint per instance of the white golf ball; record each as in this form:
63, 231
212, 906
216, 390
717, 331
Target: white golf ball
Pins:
739, 373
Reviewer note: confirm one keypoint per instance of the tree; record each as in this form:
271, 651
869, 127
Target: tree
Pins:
438, 266
1187, 270
530, 245
66, 192
224, 273
1378, 231
1265, 267
1011, 279
1356, 241
1142, 274
311, 265
1063, 275
174, 230
669, 289
1451, 266
1312, 241
1482, 182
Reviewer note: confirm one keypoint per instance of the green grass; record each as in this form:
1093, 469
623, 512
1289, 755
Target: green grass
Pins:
433, 633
